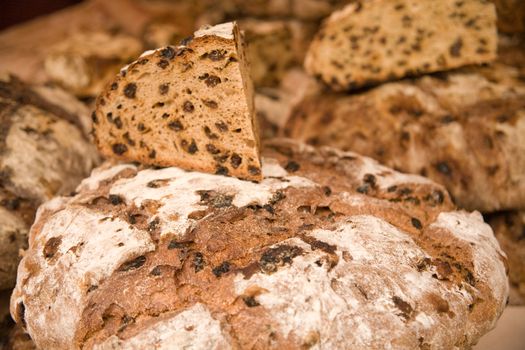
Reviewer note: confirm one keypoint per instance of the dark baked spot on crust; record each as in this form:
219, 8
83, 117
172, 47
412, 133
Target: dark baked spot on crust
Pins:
250, 301
176, 125
188, 107
222, 126
164, 88
254, 170
220, 270
416, 223
221, 170
51, 247
404, 307
132, 264
235, 160
209, 133
114, 86
115, 199
163, 64
274, 258
212, 149
210, 103
130, 90
198, 262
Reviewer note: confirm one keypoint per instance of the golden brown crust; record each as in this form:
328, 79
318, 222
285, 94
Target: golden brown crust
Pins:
251, 261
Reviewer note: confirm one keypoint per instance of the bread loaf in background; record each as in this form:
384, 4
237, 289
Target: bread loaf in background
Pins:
45, 151
509, 229
511, 15
460, 129
158, 257
189, 106
84, 62
374, 41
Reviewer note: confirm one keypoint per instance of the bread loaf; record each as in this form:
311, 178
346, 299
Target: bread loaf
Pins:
461, 130
84, 62
378, 40
44, 151
274, 46
331, 250
189, 106
511, 15
509, 228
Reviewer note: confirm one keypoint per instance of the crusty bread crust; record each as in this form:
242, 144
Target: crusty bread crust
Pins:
330, 250
189, 106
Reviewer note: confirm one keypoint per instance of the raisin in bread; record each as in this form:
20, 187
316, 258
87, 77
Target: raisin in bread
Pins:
84, 62
171, 258
378, 40
189, 106
461, 130
509, 228
45, 150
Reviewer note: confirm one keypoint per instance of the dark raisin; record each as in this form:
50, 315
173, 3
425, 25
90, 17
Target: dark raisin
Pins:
186, 41
235, 160
221, 269
216, 55
212, 80
220, 170
444, 168
292, 166
327, 190
192, 148
188, 107
254, 170
370, 179
198, 262
455, 48
114, 86
250, 301
115, 199
176, 125
133, 264
212, 149
269, 208
130, 90
209, 133
156, 271
403, 306
94, 118
141, 127
164, 88
51, 247
392, 188
152, 154
363, 188
210, 103
416, 223
163, 64
168, 52
119, 148
118, 122
222, 126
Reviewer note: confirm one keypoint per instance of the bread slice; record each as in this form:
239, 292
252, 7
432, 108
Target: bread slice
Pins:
373, 41
189, 106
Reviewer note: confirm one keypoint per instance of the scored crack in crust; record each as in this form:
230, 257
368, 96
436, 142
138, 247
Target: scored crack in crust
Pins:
369, 42
330, 250
189, 106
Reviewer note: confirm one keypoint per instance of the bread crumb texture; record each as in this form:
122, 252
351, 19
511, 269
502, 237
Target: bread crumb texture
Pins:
369, 42
329, 250
189, 106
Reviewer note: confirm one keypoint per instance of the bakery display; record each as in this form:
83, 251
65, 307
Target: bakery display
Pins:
325, 251
189, 106
373, 41
460, 129
84, 62
509, 229
45, 151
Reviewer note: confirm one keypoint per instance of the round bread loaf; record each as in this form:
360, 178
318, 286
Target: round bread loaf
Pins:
331, 250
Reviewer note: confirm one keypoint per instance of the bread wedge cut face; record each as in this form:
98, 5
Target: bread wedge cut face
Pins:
189, 106
373, 41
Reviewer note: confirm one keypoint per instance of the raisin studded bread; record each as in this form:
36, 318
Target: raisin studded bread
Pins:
189, 106
331, 250
461, 130
274, 46
84, 62
44, 151
509, 229
373, 41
